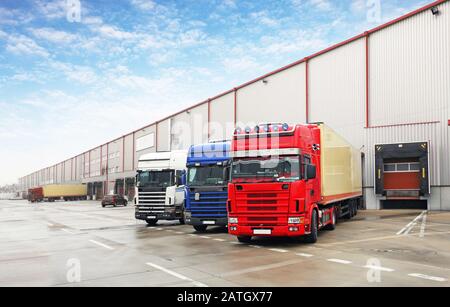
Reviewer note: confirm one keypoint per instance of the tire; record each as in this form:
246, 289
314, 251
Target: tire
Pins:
103, 206
182, 222
312, 237
332, 226
152, 222
125, 204
200, 228
353, 209
244, 239
349, 212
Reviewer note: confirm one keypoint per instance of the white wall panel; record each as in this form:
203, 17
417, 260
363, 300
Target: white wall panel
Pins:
163, 137
222, 117
190, 128
410, 70
142, 133
129, 152
281, 99
337, 90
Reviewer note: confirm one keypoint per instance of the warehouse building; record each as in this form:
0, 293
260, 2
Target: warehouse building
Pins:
387, 91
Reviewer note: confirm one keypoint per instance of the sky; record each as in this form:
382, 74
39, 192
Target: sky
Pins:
75, 74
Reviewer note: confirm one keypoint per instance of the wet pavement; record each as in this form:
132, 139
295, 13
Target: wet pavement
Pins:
83, 244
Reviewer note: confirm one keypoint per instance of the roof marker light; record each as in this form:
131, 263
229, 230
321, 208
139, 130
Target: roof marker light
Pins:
285, 127
257, 129
238, 130
275, 128
248, 130
266, 128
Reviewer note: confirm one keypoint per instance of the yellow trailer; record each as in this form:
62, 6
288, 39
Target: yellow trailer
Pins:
65, 191
341, 167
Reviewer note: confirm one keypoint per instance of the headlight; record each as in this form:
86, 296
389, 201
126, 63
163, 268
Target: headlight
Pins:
294, 220
233, 220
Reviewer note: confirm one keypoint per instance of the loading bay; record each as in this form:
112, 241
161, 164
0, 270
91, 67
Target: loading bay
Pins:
83, 244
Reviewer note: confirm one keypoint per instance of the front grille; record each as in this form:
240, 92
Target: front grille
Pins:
151, 202
209, 204
263, 202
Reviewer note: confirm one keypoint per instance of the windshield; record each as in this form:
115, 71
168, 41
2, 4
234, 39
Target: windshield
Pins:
155, 179
207, 176
280, 169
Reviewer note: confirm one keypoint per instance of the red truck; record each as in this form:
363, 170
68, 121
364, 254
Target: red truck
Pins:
291, 181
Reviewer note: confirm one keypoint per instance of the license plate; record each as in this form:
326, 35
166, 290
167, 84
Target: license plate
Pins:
151, 217
209, 223
262, 231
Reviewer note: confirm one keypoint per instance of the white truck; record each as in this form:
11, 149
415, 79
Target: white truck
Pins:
160, 184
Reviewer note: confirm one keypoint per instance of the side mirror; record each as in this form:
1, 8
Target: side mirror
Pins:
179, 176
310, 171
226, 173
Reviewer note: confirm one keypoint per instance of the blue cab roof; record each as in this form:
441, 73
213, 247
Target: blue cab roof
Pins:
209, 153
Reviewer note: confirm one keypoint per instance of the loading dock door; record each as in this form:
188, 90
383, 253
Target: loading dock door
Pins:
401, 170
402, 179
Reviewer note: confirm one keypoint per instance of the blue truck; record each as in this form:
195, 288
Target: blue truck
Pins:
206, 191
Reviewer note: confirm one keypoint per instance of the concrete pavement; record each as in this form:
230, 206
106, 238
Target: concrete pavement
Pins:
83, 244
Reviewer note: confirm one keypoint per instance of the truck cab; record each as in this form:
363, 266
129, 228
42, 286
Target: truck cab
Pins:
160, 184
290, 181
207, 185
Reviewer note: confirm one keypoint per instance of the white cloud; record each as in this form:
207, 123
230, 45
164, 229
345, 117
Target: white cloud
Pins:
52, 9
92, 20
324, 5
114, 32
264, 19
14, 17
358, 6
81, 74
240, 64
25, 45
145, 5
53, 35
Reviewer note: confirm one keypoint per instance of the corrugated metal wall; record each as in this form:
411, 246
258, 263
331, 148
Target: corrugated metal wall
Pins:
190, 127
222, 117
129, 147
409, 70
337, 92
163, 135
139, 134
278, 98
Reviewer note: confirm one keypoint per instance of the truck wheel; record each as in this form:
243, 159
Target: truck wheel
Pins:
352, 209
244, 239
312, 237
152, 222
200, 228
332, 226
182, 222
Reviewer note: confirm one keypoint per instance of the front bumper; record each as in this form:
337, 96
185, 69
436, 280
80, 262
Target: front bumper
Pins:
275, 231
168, 215
194, 221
